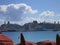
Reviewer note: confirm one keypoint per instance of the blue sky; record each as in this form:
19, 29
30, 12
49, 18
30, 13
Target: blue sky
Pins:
24, 11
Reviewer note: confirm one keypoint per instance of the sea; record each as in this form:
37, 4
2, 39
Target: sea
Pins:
34, 36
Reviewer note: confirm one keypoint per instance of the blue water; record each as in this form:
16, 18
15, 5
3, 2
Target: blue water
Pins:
33, 36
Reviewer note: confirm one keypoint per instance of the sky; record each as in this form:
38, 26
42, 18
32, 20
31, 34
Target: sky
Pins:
24, 11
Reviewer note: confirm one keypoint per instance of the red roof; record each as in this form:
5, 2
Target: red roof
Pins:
47, 42
30, 43
6, 40
4, 37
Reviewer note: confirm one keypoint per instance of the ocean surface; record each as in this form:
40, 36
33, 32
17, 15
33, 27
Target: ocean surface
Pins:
36, 36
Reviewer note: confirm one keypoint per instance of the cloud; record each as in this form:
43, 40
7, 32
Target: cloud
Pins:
14, 12
31, 19
1, 21
27, 8
3, 8
47, 13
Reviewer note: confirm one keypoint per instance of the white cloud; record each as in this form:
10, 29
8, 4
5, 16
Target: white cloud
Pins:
31, 19
3, 8
27, 8
47, 13
14, 12
1, 21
